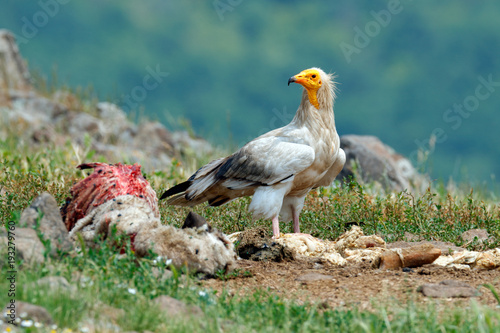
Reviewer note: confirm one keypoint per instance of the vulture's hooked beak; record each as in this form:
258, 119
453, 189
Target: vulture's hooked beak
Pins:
300, 78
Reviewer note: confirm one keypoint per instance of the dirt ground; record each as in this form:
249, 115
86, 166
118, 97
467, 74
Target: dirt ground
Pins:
362, 287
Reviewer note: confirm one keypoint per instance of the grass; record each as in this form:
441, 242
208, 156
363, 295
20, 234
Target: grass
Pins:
117, 290
107, 284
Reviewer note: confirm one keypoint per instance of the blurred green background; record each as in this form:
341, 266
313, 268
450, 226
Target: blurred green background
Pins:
401, 67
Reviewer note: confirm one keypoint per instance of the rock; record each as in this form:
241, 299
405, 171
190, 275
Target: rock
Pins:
370, 160
55, 283
111, 313
412, 237
81, 123
256, 244
29, 248
34, 312
117, 126
161, 274
480, 235
313, 277
174, 308
13, 70
448, 289
191, 146
155, 138
40, 109
414, 256
31, 117
112, 115
50, 224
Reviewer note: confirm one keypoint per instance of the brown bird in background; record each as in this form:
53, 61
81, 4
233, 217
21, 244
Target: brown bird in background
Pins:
280, 167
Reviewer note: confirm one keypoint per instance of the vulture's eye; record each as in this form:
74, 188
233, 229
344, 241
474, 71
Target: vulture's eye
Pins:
314, 76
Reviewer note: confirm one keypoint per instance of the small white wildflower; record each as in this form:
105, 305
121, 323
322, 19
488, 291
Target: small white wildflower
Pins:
158, 258
155, 262
168, 262
27, 323
38, 325
132, 291
53, 327
202, 293
18, 320
84, 329
23, 315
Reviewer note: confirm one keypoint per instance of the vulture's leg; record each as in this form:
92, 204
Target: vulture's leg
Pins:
296, 227
276, 227
295, 216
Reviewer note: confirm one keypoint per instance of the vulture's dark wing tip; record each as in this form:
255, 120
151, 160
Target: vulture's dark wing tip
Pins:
176, 189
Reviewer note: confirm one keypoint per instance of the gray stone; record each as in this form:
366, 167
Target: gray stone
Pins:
34, 312
161, 274
56, 283
111, 313
480, 235
50, 224
175, 308
310, 277
110, 112
28, 246
155, 138
370, 160
38, 108
118, 128
81, 123
188, 145
448, 289
412, 237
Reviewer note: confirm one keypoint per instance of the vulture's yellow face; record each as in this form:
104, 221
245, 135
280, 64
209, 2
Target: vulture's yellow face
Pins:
310, 79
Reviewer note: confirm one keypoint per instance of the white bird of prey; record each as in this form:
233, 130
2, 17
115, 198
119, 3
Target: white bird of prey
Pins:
280, 167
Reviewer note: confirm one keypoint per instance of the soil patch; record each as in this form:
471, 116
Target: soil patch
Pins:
358, 285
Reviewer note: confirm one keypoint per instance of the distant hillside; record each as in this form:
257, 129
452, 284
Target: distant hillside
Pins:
418, 76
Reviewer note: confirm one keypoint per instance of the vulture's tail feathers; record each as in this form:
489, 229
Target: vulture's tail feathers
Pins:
179, 188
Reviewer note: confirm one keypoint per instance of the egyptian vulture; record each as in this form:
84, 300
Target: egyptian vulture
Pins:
278, 168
